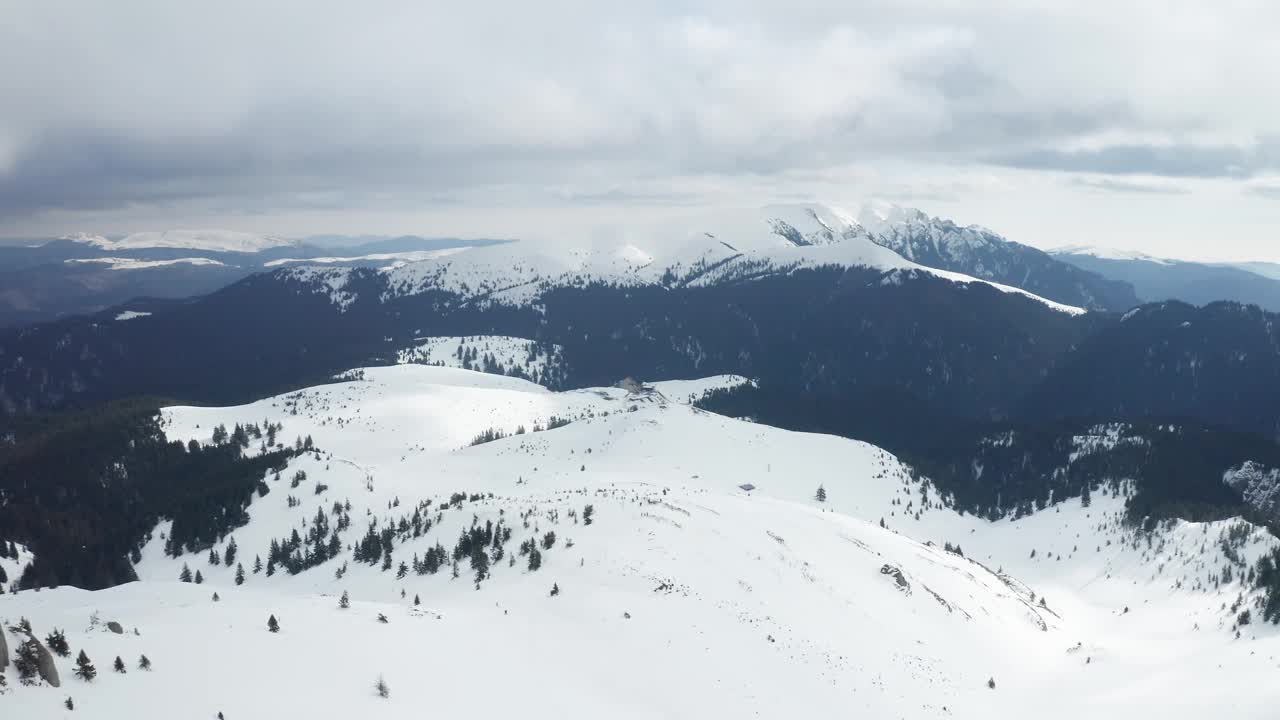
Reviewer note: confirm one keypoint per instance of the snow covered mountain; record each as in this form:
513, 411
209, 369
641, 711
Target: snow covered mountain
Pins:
977, 251
616, 553
211, 240
707, 249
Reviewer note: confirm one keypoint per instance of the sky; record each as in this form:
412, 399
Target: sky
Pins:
1150, 125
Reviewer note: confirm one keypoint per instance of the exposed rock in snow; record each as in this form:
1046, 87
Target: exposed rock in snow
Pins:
1259, 485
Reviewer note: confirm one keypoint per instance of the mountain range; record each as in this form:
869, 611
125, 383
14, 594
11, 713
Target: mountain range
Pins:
754, 463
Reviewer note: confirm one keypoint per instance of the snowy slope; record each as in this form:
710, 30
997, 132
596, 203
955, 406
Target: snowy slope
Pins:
212, 240
686, 596
490, 353
701, 250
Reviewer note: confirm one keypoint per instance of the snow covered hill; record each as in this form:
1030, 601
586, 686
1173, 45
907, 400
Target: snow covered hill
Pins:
706, 580
706, 249
211, 240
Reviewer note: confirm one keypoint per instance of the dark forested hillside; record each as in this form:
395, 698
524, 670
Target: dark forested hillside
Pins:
967, 347
83, 490
1219, 364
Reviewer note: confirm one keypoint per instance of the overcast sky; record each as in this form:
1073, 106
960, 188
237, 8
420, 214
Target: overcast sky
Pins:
1144, 124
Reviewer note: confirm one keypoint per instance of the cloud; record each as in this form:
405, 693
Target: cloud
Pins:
1150, 186
260, 107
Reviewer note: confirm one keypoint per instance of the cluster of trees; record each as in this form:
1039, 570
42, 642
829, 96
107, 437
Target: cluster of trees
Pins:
243, 434
323, 542
107, 476
27, 656
492, 434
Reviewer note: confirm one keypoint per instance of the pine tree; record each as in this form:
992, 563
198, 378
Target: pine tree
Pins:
821, 495
416, 600
535, 559
27, 662
230, 556
991, 683
57, 642
144, 663
69, 704
273, 625
185, 576
257, 564
119, 666
344, 602
216, 598
587, 514
381, 687
199, 578
84, 668
239, 574
555, 589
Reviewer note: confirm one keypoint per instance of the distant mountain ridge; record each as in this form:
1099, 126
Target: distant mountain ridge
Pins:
977, 251
83, 274
1158, 279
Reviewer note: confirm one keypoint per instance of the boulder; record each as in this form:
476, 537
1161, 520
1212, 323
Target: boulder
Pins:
115, 627
45, 666
898, 577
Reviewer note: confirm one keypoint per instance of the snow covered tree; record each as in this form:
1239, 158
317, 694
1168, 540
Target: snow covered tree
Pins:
199, 578
69, 704
991, 683
821, 495
216, 598
381, 687
588, 514
84, 668
230, 556
344, 602
57, 642
272, 624
257, 564
239, 574
185, 575
118, 665
535, 559
549, 540
555, 589
144, 663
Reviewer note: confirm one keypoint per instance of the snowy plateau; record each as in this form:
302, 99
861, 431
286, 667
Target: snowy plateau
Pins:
211, 240
679, 594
